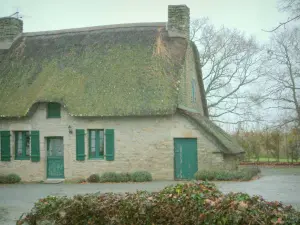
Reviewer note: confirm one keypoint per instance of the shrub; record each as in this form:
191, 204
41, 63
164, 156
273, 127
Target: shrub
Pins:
141, 176
10, 179
81, 180
123, 177
94, 178
188, 203
3, 179
109, 177
223, 175
204, 175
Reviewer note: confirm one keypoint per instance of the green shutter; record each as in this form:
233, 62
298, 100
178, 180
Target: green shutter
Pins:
5, 145
53, 110
110, 144
35, 146
80, 145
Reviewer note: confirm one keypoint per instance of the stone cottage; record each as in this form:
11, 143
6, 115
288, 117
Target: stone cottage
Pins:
117, 98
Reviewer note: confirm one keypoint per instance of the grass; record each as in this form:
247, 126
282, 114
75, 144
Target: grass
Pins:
265, 159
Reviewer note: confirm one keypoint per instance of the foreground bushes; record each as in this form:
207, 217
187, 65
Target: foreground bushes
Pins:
10, 179
189, 203
243, 174
139, 176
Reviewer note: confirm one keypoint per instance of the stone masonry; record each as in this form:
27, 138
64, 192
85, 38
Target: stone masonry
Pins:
190, 74
144, 143
10, 28
179, 21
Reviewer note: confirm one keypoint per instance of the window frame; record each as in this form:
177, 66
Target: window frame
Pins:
97, 144
53, 106
16, 136
193, 90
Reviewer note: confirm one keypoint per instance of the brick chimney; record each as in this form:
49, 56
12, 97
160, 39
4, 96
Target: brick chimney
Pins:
178, 21
10, 29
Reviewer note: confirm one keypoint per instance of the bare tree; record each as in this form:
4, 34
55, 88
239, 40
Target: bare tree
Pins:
292, 7
284, 75
230, 64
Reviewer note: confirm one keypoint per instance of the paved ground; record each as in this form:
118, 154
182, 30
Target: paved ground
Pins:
276, 184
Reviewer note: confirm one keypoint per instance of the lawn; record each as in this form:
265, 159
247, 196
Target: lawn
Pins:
264, 159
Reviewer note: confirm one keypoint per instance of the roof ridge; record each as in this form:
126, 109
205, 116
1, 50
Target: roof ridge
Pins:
94, 28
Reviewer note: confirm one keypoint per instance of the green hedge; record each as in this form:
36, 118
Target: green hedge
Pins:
10, 179
94, 178
223, 175
188, 203
141, 176
138, 176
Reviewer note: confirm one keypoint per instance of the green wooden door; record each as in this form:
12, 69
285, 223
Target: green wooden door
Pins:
185, 158
55, 157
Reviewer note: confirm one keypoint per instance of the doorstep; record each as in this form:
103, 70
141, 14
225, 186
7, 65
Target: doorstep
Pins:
53, 181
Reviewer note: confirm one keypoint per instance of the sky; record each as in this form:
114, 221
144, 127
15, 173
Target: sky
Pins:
250, 16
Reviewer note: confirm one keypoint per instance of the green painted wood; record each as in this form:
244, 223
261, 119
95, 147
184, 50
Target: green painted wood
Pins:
110, 144
80, 147
185, 158
96, 144
53, 110
35, 145
55, 157
5, 146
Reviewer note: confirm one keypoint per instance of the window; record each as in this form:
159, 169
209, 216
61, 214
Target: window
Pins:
22, 145
53, 110
96, 144
193, 90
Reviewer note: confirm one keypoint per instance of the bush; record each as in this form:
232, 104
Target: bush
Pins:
141, 176
94, 178
123, 177
3, 179
188, 203
109, 177
205, 175
13, 178
223, 175
10, 179
80, 180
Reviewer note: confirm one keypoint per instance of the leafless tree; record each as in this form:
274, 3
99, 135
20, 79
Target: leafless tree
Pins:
230, 64
284, 74
292, 7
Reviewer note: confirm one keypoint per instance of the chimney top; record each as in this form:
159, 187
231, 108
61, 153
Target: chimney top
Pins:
178, 21
10, 29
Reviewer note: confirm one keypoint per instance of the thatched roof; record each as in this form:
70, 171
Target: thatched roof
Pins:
227, 144
122, 70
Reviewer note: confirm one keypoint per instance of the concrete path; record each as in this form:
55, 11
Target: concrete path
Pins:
276, 184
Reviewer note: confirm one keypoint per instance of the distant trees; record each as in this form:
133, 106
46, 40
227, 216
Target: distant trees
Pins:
270, 144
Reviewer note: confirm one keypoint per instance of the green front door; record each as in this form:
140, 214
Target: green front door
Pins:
185, 158
55, 157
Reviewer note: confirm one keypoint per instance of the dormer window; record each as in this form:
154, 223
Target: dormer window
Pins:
53, 110
193, 90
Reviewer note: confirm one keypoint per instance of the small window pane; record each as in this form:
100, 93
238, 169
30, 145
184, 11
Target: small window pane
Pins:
27, 136
101, 145
19, 144
96, 138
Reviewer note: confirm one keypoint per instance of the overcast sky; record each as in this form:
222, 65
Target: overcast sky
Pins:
250, 16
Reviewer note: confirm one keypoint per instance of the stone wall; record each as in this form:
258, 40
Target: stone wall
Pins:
10, 28
141, 143
189, 74
179, 21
